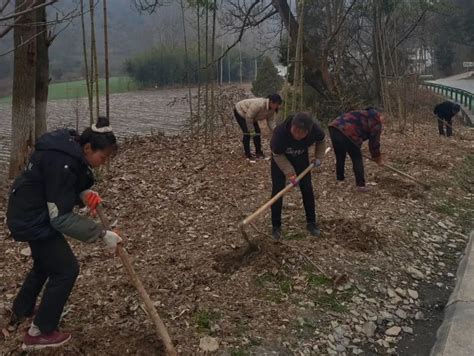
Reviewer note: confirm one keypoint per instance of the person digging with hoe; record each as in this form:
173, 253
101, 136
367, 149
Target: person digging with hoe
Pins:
40, 211
347, 133
289, 144
249, 113
445, 113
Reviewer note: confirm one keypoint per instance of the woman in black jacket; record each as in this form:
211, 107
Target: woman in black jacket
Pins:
40, 211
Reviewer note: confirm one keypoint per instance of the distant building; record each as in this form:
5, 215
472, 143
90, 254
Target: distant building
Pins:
420, 60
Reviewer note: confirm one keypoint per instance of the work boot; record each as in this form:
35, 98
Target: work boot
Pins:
313, 229
276, 233
53, 339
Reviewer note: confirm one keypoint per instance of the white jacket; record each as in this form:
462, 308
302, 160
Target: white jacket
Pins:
253, 110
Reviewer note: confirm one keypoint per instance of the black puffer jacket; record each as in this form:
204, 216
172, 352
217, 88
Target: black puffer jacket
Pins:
43, 196
445, 110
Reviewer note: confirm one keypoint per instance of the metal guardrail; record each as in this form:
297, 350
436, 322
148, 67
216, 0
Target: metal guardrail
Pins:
463, 97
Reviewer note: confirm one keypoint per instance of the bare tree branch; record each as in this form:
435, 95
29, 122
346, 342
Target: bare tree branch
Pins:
412, 28
3, 7
246, 24
28, 10
339, 26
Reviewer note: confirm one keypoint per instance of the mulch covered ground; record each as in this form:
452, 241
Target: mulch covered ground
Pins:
179, 203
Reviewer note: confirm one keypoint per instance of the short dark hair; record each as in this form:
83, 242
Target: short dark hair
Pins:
456, 108
374, 108
275, 98
303, 121
99, 140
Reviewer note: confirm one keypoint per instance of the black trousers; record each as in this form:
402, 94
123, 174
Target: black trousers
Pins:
246, 136
343, 146
299, 163
449, 126
55, 265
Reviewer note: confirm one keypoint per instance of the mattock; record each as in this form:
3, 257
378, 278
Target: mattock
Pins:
150, 308
272, 201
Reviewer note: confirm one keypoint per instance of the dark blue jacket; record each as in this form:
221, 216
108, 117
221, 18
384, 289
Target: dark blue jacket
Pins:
445, 110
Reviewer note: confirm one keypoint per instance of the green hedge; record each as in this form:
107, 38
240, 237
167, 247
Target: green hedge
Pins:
166, 65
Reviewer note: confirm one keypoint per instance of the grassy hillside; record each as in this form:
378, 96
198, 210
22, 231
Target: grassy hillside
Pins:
78, 89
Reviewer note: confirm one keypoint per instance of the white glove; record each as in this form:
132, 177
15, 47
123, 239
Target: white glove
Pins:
317, 163
111, 240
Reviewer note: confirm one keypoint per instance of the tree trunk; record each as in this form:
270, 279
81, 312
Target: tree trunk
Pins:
312, 72
42, 72
23, 96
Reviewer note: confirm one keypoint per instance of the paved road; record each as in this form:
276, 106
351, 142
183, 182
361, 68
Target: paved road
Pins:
454, 337
131, 113
463, 81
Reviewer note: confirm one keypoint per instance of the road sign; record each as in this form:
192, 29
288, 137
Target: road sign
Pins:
467, 64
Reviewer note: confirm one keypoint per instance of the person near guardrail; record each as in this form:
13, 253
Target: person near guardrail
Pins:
248, 113
445, 112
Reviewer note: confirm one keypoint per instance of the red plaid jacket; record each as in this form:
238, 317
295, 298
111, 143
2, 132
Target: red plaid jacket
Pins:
359, 126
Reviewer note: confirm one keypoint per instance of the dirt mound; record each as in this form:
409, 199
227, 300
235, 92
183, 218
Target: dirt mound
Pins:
263, 253
399, 188
354, 235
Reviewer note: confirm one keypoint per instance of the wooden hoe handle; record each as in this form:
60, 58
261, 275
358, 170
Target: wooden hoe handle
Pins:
403, 174
150, 308
282, 192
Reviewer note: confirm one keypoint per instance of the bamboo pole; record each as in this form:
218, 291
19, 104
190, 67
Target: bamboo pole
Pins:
198, 117
94, 63
213, 78
188, 68
206, 94
106, 55
150, 308
287, 88
84, 48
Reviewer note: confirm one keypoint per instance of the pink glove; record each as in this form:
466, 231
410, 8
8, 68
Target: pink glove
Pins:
293, 180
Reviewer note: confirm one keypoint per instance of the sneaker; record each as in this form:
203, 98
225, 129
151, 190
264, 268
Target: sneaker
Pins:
53, 339
276, 233
250, 157
313, 229
260, 155
363, 189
